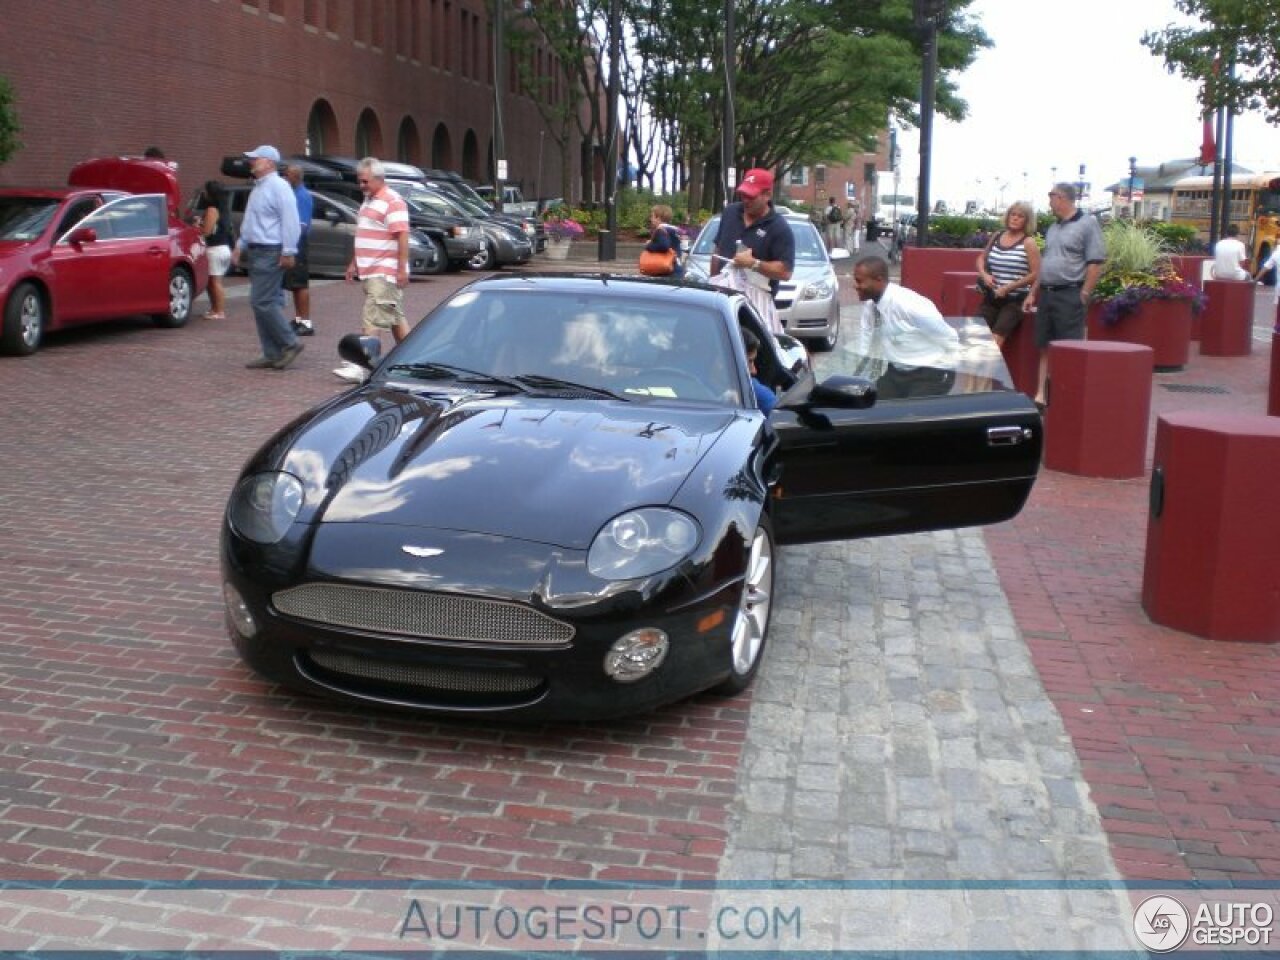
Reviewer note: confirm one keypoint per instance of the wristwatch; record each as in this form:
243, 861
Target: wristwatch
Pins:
755, 265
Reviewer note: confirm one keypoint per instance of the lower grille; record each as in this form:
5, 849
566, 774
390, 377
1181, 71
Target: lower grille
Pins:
421, 678
420, 613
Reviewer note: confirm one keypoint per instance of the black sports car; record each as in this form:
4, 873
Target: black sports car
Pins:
559, 498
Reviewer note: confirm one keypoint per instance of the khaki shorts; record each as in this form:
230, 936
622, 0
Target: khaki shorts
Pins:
383, 303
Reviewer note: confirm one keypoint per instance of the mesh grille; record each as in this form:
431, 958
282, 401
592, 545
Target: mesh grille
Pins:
1192, 388
413, 613
423, 677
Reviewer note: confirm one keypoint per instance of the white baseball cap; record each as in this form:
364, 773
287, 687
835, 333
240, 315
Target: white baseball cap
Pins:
266, 152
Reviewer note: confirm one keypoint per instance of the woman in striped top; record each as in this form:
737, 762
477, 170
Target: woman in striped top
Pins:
1008, 266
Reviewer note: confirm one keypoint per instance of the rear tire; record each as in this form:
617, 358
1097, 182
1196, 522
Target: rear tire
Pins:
26, 316
751, 623
182, 295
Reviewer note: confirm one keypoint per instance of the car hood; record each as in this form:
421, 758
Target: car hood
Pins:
536, 468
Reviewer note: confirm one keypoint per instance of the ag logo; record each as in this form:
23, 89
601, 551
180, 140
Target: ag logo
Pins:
1161, 924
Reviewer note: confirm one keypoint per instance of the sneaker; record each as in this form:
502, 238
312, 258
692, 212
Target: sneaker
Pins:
289, 355
352, 373
262, 363
303, 327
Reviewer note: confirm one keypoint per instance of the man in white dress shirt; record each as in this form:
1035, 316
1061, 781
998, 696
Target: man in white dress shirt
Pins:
918, 345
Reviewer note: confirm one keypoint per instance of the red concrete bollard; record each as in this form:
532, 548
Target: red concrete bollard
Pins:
960, 296
1226, 327
1273, 388
1211, 539
1099, 408
1022, 356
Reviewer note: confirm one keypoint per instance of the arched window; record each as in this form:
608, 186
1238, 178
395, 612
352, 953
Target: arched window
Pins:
441, 148
322, 129
470, 156
368, 135
408, 143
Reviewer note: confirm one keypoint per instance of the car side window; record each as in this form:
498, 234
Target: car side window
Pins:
75, 213
130, 217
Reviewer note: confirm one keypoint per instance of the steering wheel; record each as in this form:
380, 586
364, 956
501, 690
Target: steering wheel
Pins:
686, 385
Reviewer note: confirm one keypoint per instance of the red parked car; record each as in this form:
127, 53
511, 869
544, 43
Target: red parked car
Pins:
108, 245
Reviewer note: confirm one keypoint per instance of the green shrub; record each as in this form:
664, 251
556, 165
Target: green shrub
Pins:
1177, 237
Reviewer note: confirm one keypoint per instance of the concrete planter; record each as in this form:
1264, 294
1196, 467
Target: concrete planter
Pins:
1162, 325
924, 268
558, 249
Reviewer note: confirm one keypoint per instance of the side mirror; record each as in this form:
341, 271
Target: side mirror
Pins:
847, 393
363, 351
333, 215
82, 235
840, 253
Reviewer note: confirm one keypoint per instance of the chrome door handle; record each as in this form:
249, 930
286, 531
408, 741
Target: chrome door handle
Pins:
1007, 436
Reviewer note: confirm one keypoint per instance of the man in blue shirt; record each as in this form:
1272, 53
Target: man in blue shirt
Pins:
297, 280
268, 245
755, 240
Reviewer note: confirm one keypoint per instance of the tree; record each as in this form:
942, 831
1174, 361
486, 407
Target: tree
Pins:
9, 127
1247, 31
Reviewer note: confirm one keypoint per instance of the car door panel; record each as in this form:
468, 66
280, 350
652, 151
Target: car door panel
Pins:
329, 243
124, 271
903, 466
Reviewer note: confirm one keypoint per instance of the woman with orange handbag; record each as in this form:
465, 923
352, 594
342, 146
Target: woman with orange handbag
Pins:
661, 255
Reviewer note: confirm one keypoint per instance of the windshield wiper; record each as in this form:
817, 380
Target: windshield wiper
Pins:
541, 382
447, 371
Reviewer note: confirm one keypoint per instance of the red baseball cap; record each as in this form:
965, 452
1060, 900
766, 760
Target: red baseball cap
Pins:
755, 183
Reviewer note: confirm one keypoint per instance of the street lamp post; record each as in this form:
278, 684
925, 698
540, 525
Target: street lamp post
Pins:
1133, 172
607, 247
926, 17
499, 140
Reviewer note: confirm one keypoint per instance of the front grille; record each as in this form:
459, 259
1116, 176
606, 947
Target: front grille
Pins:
423, 678
417, 613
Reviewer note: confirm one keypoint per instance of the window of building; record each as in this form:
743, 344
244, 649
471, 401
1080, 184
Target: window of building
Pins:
275, 9
360, 25
415, 31
377, 26
332, 11
368, 135
250, 6
434, 31
446, 38
798, 177
403, 28
311, 14
408, 143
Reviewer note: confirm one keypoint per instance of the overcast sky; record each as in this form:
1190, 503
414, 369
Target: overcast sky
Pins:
1068, 82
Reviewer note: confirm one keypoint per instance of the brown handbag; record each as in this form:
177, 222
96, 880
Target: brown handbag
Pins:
658, 264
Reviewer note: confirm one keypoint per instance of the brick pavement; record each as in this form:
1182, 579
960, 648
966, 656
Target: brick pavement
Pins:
133, 744
1178, 737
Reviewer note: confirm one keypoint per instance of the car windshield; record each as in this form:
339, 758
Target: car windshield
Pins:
24, 218
639, 348
809, 245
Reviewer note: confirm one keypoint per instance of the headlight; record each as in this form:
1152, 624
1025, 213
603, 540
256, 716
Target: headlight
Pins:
641, 542
461, 231
264, 506
822, 290
528, 228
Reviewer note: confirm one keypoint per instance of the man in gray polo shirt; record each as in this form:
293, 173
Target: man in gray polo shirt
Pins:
1069, 270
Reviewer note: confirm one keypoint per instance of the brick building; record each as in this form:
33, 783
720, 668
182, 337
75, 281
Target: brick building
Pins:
812, 185
406, 80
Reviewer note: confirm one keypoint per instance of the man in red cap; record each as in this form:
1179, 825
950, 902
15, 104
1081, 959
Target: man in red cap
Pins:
753, 238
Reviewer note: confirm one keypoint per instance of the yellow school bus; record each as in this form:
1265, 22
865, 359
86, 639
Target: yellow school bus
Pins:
1255, 209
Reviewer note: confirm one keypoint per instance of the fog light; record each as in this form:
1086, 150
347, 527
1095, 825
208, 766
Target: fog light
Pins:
238, 612
636, 655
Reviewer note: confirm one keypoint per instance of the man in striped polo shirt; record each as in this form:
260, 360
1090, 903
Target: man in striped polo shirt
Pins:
381, 256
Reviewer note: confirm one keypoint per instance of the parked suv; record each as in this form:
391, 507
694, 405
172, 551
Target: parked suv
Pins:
504, 242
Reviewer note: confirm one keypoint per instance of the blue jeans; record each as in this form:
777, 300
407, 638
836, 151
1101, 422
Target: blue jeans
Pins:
265, 293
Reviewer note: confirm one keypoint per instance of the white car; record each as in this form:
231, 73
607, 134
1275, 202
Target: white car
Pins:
809, 303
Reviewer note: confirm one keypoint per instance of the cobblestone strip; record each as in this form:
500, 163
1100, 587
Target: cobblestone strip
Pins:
900, 732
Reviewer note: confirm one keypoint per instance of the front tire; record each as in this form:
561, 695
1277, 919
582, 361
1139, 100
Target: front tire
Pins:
26, 316
828, 343
751, 623
486, 259
440, 263
181, 296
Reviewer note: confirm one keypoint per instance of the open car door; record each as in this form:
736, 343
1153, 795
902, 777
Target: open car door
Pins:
850, 465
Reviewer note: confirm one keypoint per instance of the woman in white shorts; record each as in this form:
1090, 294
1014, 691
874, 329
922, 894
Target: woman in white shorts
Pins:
217, 240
